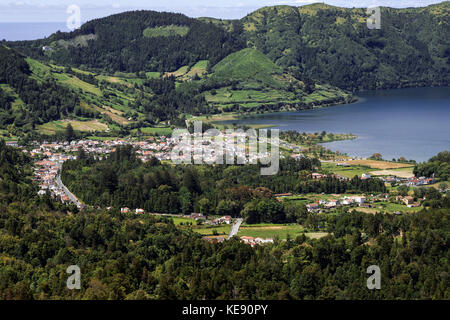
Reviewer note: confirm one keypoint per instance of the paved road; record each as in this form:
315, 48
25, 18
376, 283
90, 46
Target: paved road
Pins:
235, 228
68, 193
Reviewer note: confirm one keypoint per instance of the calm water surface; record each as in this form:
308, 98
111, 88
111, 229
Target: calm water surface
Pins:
413, 123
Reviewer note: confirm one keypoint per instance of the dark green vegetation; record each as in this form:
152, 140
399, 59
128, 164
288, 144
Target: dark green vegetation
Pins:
122, 180
321, 42
121, 43
334, 45
17, 188
248, 80
142, 68
438, 166
128, 256
45, 100
34, 93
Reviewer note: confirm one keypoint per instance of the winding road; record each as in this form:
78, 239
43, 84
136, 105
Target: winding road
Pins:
68, 193
235, 228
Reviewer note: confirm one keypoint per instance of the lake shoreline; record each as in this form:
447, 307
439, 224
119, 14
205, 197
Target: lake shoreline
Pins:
406, 122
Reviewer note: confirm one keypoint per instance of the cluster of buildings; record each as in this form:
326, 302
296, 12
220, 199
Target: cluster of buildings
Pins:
331, 204
128, 210
46, 174
153, 147
408, 201
244, 239
221, 220
410, 182
255, 241
229, 147
421, 181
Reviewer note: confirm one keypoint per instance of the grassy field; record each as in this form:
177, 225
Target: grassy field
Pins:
349, 172
271, 230
222, 230
382, 165
115, 115
205, 230
373, 167
401, 172
162, 131
197, 69
166, 31
388, 207
60, 125
76, 83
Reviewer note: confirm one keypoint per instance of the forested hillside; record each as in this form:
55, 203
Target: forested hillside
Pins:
438, 167
334, 44
128, 256
45, 100
318, 41
136, 41
122, 180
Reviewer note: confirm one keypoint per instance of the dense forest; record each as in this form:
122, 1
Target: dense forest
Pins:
438, 167
45, 100
121, 44
123, 180
318, 41
166, 102
335, 45
147, 257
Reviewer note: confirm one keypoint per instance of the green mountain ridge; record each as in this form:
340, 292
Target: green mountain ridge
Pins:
334, 44
248, 65
145, 68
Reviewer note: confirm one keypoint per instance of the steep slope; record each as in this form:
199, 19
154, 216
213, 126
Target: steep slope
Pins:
334, 44
45, 99
135, 41
250, 66
248, 80
323, 42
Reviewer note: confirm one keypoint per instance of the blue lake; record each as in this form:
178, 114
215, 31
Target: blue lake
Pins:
413, 123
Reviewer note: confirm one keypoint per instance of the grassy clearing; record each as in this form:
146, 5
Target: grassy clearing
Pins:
153, 75
227, 96
401, 173
111, 79
38, 69
271, 230
162, 131
349, 172
197, 69
76, 83
115, 115
222, 230
102, 138
60, 125
179, 73
388, 207
166, 31
316, 235
382, 165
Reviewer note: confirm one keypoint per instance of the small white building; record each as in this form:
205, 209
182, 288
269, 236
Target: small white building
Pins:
360, 199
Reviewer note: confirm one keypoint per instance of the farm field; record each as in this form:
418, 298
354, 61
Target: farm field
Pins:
60, 125
349, 172
205, 230
222, 230
115, 115
373, 167
388, 207
271, 230
401, 172
382, 165
162, 131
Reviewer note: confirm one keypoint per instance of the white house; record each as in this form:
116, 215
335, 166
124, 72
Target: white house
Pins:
360, 199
